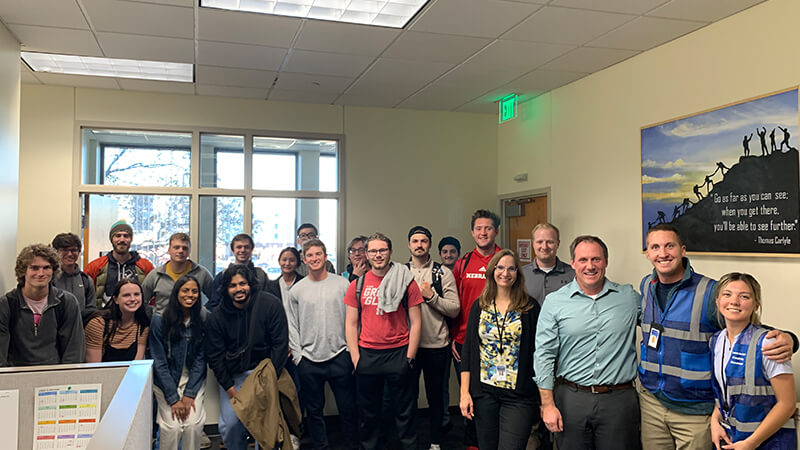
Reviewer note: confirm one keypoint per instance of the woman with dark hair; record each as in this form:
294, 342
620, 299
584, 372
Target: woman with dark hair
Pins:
288, 259
119, 331
497, 387
179, 366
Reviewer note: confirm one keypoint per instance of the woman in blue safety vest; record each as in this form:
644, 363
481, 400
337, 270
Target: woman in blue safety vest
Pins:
755, 396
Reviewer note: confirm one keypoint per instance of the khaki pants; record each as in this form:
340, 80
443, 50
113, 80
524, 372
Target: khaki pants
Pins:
665, 429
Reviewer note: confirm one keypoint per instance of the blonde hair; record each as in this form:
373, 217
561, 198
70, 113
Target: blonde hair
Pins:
519, 296
755, 288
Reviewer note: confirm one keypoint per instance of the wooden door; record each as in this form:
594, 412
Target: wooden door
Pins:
525, 213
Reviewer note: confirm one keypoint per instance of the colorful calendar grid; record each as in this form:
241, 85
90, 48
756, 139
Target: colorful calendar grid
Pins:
66, 416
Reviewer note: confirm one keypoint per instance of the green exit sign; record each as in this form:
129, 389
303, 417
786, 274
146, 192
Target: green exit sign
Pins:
508, 108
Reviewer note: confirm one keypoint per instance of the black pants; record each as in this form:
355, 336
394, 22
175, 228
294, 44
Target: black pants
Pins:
389, 367
338, 372
432, 362
608, 421
470, 435
503, 418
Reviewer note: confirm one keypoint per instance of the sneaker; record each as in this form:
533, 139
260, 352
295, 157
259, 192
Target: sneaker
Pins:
295, 442
205, 442
435, 447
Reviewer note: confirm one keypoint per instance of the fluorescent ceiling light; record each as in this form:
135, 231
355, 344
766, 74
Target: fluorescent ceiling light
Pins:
384, 13
109, 67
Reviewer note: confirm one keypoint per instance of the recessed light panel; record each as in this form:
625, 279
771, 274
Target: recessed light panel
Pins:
383, 13
109, 67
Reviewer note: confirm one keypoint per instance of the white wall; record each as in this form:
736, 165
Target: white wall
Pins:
9, 154
582, 140
402, 167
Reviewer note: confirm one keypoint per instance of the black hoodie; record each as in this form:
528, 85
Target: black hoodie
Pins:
229, 339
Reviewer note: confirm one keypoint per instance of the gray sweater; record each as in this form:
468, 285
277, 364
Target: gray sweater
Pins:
316, 312
436, 310
158, 284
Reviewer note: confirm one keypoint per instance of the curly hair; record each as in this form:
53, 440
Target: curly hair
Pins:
25, 258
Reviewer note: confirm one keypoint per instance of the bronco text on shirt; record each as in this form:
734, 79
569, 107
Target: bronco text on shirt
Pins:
381, 330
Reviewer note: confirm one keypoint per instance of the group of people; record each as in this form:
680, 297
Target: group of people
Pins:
544, 348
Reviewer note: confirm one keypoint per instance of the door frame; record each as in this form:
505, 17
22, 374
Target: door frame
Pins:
542, 192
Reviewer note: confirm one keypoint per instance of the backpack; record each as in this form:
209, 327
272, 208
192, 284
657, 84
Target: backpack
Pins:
436, 277
14, 311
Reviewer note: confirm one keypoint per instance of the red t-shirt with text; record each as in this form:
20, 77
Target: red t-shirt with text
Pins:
470, 281
381, 330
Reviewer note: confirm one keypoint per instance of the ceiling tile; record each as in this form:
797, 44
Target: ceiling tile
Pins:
49, 13
288, 95
246, 28
140, 18
706, 11
394, 72
152, 48
588, 59
303, 82
439, 96
77, 80
541, 81
480, 106
225, 76
231, 91
502, 61
481, 18
240, 55
28, 76
566, 25
381, 101
421, 46
620, 6
345, 38
187, 3
645, 33
56, 40
304, 61
129, 84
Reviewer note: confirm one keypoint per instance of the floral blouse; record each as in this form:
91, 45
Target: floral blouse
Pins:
499, 359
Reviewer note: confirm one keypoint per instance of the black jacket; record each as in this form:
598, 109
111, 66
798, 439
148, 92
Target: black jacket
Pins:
232, 347
471, 356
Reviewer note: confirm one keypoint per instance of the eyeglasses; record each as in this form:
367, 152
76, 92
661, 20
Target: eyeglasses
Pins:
376, 251
509, 269
70, 250
307, 235
357, 251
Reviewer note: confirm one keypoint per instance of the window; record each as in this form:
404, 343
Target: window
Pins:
241, 182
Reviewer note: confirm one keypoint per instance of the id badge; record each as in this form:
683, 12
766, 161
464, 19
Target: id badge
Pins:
655, 335
501, 372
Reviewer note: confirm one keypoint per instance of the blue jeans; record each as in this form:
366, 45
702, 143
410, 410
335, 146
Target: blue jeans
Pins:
234, 434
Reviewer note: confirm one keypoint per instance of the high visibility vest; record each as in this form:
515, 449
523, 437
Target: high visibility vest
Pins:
680, 367
750, 392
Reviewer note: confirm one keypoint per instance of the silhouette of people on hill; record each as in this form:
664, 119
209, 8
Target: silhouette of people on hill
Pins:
662, 218
676, 212
696, 191
685, 205
721, 167
650, 225
772, 146
785, 138
709, 183
746, 144
763, 137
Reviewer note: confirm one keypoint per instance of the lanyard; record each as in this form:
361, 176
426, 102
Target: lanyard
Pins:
723, 375
501, 328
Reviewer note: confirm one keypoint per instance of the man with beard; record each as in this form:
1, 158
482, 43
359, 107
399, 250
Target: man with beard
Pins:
247, 327
449, 251
117, 264
242, 246
440, 302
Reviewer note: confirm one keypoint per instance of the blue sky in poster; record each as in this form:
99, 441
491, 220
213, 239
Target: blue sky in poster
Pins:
678, 155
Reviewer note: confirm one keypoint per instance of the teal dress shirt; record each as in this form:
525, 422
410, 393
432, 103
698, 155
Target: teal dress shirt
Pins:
593, 340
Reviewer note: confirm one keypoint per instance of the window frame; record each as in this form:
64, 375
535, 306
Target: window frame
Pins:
194, 191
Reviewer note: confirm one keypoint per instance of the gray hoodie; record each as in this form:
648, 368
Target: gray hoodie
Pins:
158, 284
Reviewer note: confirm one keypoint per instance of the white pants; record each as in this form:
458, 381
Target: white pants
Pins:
173, 430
